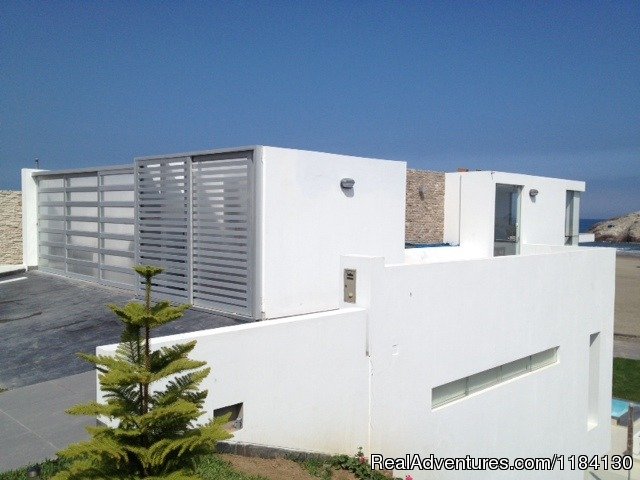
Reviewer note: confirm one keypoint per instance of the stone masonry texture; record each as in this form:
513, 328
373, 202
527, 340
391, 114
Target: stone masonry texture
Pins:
425, 207
10, 228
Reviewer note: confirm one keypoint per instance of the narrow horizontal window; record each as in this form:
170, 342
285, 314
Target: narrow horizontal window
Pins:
477, 382
449, 392
483, 380
515, 369
543, 359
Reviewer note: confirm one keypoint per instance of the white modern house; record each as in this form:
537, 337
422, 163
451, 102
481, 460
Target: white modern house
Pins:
499, 345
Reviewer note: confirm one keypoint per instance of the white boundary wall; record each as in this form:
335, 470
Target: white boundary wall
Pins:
307, 383
431, 324
302, 381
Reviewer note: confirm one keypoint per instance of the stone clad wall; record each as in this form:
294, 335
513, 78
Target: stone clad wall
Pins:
10, 227
425, 213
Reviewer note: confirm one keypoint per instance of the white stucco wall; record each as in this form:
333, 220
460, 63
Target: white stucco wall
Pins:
308, 221
363, 375
29, 217
435, 323
303, 381
470, 220
451, 233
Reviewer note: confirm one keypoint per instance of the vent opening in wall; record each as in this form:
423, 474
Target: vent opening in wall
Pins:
235, 413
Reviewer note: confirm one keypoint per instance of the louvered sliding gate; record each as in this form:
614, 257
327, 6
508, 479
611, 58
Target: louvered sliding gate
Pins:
162, 224
86, 224
223, 232
195, 220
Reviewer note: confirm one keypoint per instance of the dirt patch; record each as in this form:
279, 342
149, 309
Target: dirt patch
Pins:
278, 468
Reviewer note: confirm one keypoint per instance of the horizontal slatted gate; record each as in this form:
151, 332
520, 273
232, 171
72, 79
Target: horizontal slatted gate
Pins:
195, 220
223, 232
86, 225
163, 224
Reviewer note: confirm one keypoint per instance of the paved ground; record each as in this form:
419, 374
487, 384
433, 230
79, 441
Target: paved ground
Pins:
627, 295
46, 319
626, 342
33, 422
626, 347
618, 447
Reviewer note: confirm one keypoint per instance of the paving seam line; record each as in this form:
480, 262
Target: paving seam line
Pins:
28, 429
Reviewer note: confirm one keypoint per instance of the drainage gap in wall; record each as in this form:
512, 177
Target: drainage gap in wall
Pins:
235, 420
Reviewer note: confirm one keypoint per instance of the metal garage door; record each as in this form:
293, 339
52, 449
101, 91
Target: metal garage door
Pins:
86, 225
223, 233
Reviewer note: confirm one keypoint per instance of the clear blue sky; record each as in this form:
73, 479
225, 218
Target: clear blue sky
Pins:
548, 88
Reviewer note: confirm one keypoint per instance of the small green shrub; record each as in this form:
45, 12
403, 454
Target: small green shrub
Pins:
154, 432
48, 469
358, 465
319, 469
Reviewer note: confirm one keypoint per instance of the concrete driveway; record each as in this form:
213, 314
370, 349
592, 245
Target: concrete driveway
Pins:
34, 424
46, 319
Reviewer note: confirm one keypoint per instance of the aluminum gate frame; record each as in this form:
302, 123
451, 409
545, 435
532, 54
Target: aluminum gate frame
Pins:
196, 218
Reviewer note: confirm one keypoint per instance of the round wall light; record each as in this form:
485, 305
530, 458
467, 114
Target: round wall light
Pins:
347, 183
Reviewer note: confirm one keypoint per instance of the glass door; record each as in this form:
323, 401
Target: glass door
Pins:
507, 220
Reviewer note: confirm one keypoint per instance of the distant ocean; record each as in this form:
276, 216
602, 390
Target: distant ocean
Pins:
587, 223
628, 248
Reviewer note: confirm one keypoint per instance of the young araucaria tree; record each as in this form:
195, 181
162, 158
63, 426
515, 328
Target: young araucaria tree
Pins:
152, 403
